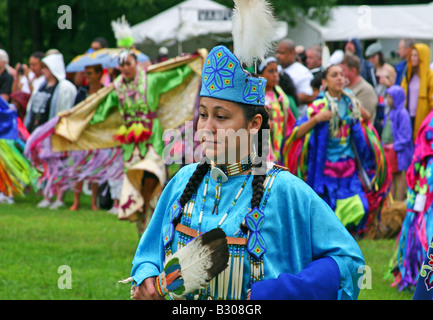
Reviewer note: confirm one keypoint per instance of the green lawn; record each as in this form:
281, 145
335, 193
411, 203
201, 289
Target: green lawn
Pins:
99, 249
377, 255
35, 242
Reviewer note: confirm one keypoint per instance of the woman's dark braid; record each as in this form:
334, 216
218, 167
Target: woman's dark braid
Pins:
262, 150
194, 181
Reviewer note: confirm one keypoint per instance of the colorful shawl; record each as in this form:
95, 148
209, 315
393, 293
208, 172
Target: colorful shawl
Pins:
122, 121
306, 158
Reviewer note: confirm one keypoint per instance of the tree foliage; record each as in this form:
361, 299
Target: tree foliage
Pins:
32, 25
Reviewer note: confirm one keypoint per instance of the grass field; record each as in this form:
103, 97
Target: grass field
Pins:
98, 249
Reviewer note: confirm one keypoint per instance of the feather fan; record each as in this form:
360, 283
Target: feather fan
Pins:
253, 30
193, 266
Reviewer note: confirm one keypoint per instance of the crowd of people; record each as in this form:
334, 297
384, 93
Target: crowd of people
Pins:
352, 127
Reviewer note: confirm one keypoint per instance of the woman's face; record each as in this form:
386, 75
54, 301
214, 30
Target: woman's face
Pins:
414, 58
224, 131
129, 68
270, 73
334, 80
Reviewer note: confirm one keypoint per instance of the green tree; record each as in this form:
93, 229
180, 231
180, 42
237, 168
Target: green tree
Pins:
32, 25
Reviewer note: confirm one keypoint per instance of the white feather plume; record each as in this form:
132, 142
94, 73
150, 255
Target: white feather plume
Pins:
121, 28
252, 30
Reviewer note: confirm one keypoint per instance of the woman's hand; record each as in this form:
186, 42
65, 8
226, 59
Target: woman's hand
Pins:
146, 290
322, 116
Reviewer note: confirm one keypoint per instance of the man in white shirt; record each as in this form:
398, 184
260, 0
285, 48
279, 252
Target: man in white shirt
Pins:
301, 75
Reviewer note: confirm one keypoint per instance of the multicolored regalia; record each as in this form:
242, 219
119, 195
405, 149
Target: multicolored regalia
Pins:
16, 172
342, 160
417, 228
119, 130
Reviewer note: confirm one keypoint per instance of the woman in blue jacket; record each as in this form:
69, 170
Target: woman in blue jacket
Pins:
284, 241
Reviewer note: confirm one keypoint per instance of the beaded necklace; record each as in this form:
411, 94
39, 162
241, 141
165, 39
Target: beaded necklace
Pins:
238, 167
220, 173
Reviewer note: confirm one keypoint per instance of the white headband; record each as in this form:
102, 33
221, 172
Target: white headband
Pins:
265, 62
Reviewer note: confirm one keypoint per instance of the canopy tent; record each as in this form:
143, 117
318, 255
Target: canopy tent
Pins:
378, 22
386, 23
368, 22
188, 26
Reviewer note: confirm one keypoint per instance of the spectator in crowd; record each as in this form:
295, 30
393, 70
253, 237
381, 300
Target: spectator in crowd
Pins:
300, 75
404, 48
300, 54
385, 73
362, 90
314, 63
6, 80
314, 60
79, 78
367, 69
21, 81
57, 94
162, 55
98, 43
29, 78
397, 140
35, 78
418, 85
20, 100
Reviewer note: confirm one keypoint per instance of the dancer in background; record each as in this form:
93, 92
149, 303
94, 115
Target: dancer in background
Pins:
417, 229
279, 105
338, 153
16, 172
124, 121
93, 75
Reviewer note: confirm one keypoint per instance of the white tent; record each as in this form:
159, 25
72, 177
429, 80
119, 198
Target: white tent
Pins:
188, 26
382, 22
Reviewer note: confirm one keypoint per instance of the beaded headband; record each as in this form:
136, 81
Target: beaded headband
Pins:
265, 63
224, 78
